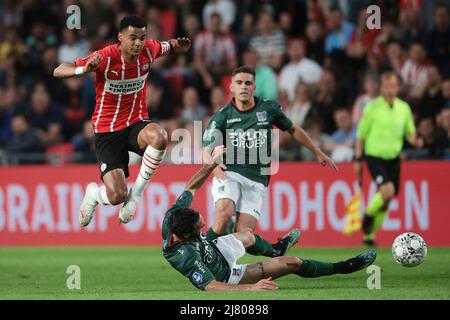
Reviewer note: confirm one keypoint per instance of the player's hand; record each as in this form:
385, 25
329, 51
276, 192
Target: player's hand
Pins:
324, 160
265, 284
217, 154
93, 63
219, 171
180, 45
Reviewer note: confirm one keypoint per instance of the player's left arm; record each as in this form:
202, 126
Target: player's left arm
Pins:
164, 48
302, 137
202, 175
284, 123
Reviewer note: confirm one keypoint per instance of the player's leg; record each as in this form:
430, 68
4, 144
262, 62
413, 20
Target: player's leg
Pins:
226, 195
249, 208
282, 266
149, 140
112, 156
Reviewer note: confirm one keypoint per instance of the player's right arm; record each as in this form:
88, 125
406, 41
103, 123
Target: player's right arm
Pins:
214, 136
261, 285
71, 69
200, 177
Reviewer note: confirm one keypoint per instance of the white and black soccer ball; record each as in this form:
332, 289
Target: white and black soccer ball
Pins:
409, 249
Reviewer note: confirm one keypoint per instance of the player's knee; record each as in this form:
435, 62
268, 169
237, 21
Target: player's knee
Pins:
117, 196
249, 237
156, 137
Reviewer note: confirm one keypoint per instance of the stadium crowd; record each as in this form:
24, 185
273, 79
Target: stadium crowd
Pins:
317, 58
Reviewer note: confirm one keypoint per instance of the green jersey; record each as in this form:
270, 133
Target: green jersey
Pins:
247, 136
383, 128
199, 260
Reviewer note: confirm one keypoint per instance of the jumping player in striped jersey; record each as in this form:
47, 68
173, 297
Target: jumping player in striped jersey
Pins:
120, 119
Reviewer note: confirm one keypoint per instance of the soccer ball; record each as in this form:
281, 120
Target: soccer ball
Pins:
409, 249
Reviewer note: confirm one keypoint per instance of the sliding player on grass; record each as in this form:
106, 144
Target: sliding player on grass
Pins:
211, 265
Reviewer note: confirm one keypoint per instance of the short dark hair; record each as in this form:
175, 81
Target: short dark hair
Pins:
182, 221
132, 21
243, 69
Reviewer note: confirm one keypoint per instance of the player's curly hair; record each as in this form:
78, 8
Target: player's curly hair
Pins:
182, 222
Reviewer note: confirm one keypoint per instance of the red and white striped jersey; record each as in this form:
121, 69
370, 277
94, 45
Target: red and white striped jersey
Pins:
120, 86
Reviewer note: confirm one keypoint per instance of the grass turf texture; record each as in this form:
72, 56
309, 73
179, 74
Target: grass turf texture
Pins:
142, 273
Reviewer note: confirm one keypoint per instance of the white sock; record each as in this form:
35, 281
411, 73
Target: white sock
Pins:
101, 196
150, 162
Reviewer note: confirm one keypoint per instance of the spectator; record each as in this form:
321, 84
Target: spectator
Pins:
299, 69
266, 79
314, 129
192, 109
11, 44
340, 32
409, 27
246, 32
83, 144
72, 47
158, 100
444, 139
432, 100
396, 57
438, 41
269, 43
226, 10
414, 71
427, 131
315, 43
191, 29
327, 99
24, 140
47, 118
214, 53
342, 141
371, 87
217, 99
301, 109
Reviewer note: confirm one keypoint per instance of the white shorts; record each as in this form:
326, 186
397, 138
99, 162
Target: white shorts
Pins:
232, 249
246, 194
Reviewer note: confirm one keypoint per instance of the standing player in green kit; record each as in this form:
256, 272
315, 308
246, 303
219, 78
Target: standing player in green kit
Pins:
385, 122
244, 126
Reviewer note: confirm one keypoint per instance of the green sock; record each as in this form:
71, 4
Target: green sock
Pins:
230, 227
261, 247
375, 205
211, 235
378, 220
314, 269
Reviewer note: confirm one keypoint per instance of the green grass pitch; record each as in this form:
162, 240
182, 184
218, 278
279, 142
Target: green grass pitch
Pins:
142, 273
